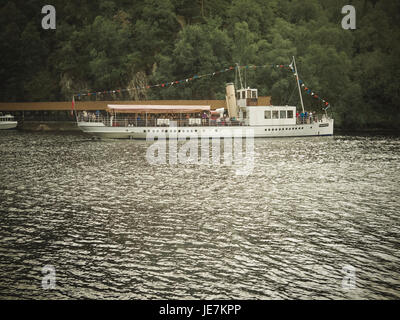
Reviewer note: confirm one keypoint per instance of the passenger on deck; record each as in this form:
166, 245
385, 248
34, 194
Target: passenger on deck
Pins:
204, 118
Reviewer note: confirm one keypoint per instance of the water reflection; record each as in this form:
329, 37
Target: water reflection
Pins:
116, 227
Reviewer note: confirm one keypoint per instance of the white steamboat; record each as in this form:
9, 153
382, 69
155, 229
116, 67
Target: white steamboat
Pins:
179, 121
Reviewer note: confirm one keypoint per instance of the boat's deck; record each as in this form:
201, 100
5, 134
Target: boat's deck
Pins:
163, 122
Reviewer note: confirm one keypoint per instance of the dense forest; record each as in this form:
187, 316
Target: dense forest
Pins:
111, 44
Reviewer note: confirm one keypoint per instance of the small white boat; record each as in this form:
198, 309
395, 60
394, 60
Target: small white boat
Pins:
244, 117
7, 122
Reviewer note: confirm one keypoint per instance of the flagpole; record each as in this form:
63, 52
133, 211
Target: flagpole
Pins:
298, 83
240, 77
73, 108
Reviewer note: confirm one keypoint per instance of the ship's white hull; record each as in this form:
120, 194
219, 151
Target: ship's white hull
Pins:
98, 129
4, 125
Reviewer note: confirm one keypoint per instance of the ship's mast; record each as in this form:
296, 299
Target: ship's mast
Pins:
240, 77
298, 83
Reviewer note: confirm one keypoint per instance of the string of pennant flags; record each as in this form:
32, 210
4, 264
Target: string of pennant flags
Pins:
307, 89
198, 76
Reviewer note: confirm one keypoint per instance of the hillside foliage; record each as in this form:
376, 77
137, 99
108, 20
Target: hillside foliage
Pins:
110, 44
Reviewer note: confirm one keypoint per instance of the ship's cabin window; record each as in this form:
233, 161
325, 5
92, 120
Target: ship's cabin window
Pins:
243, 94
248, 93
275, 114
238, 95
244, 114
290, 114
267, 114
282, 114
254, 94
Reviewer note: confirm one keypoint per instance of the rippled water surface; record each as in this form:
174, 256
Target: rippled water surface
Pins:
114, 226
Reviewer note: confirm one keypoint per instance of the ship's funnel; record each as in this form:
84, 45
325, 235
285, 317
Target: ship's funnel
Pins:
231, 101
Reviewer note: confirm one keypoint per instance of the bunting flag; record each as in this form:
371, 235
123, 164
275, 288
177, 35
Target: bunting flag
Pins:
182, 81
312, 93
73, 105
168, 84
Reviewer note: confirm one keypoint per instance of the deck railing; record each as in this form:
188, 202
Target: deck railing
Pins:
162, 122
308, 120
156, 122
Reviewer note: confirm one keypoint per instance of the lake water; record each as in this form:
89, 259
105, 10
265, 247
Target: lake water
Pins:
317, 218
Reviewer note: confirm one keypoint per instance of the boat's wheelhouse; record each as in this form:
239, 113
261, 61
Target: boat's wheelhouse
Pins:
6, 118
246, 97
